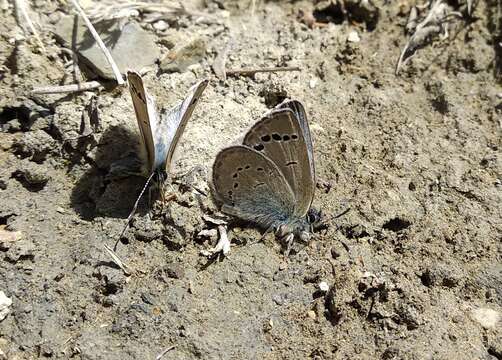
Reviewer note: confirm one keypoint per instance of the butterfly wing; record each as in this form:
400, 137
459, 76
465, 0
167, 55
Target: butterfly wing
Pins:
146, 113
279, 136
301, 116
172, 125
252, 187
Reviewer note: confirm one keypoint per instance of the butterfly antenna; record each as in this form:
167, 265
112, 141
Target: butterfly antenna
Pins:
341, 214
133, 210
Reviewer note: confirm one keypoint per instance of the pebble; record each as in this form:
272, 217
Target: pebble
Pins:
311, 314
5, 303
323, 286
175, 271
160, 25
486, 317
8, 237
353, 37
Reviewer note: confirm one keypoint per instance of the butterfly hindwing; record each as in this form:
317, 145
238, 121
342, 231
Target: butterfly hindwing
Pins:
252, 187
280, 137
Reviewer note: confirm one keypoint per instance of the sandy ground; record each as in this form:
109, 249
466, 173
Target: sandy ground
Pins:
414, 267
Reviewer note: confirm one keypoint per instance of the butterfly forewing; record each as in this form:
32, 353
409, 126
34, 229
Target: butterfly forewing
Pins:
279, 136
301, 116
173, 123
252, 187
146, 114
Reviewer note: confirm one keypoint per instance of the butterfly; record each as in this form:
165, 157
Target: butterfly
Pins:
269, 180
160, 133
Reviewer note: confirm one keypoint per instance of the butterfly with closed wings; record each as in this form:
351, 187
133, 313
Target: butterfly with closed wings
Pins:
270, 179
159, 134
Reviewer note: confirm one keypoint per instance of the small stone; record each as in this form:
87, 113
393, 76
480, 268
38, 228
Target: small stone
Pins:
353, 37
175, 271
323, 286
180, 58
335, 253
278, 299
31, 175
5, 303
34, 144
160, 25
133, 47
311, 314
7, 238
486, 317
147, 299
21, 250
312, 83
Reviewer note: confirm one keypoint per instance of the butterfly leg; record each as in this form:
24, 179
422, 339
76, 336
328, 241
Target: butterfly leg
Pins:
268, 231
288, 239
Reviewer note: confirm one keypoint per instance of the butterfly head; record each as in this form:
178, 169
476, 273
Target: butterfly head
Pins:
301, 228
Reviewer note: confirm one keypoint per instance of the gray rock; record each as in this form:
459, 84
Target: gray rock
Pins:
131, 47
175, 271
34, 144
32, 176
180, 58
21, 250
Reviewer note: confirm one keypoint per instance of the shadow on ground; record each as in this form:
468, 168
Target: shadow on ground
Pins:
111, 185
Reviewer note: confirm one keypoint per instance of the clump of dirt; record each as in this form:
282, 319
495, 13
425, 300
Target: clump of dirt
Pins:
411, 271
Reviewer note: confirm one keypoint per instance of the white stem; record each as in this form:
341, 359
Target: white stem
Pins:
100, 42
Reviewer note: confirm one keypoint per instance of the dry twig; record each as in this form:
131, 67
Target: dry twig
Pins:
165, 352
100, 43
72, 88
21, 11
252, 71
117, 260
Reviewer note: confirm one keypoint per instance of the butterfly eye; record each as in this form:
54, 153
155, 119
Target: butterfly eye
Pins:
285, 138
247, 167
294, 136
259, 147
236, 185
265, 138
276, 137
